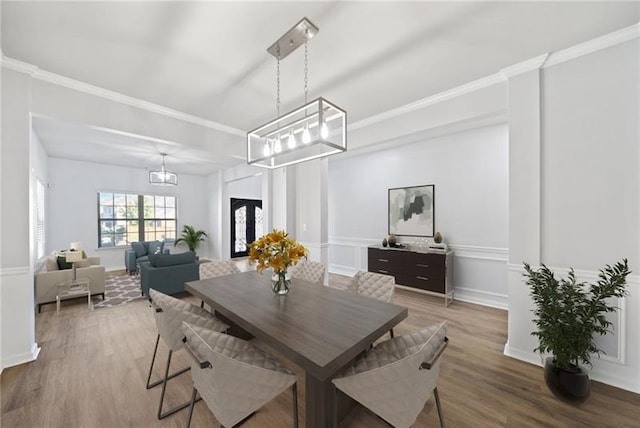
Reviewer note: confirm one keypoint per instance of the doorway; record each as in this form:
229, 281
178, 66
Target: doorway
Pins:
246, 225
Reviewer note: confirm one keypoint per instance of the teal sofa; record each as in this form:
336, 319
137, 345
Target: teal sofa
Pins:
167, 273
139, 253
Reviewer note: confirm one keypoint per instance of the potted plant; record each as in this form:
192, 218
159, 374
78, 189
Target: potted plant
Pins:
191, 237
567, 316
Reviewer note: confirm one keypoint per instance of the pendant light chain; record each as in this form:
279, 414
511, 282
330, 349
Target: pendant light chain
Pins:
306, 65
278, 84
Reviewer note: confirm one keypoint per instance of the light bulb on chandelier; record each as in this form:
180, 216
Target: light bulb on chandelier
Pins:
266, 151
291, 142
277, 147
306, 135
324, 130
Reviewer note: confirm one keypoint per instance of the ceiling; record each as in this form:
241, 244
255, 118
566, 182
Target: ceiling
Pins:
209, 59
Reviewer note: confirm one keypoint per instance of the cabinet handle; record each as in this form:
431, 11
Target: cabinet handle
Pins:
422, 278
421, 265
382, 271
383, 260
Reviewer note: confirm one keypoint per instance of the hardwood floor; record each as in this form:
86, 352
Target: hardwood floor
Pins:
92, 371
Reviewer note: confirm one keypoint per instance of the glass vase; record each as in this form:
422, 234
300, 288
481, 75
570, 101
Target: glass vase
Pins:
280, 282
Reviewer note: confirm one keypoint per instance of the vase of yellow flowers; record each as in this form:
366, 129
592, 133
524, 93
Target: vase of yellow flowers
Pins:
278, 252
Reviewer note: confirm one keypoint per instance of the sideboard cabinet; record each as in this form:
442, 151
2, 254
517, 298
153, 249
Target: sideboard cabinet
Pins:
430, 272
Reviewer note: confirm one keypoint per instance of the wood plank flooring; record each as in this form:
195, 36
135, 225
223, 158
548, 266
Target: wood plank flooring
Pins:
92, 371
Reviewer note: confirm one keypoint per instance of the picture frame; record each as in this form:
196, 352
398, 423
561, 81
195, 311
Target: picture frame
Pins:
411, 211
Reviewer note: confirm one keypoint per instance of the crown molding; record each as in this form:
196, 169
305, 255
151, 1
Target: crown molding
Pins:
19, 66
434, 99
525, 66
87, 88
608, 40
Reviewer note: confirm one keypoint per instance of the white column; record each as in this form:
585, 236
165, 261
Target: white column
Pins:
311, 208
524, 200
16, 273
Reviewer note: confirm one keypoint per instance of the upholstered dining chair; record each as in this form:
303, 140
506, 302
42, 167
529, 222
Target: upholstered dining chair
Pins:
234, 377
375, 285
309, 271
217, 268
169, 314
396, 378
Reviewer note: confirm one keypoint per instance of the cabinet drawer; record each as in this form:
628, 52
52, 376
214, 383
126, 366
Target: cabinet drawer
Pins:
436, 285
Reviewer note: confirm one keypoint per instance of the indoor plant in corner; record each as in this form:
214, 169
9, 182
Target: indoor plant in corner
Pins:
567, 315
191, 237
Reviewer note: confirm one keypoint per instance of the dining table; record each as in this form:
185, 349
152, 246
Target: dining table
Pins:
319, 328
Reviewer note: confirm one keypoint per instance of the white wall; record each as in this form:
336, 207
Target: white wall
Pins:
589, 184
470, 172
72, 214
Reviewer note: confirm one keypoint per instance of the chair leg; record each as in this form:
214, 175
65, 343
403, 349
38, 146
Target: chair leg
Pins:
193, 401
440, 415
294, 392
334, 413
202, 304
164, 388
391, 333
159, 381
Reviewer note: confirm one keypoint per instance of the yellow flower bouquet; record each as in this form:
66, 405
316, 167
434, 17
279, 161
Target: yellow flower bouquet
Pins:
277, 251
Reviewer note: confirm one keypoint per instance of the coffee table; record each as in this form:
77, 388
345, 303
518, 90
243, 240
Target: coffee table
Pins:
73, 288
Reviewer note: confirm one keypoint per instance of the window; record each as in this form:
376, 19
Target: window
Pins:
124, 218
40, 222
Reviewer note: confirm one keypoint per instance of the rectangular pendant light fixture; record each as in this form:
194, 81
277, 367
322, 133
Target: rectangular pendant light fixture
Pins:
314, 130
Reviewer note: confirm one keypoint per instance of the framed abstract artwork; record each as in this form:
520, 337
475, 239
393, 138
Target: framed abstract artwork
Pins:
411, 211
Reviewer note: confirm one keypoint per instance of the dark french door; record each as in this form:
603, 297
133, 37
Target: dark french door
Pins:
246, 225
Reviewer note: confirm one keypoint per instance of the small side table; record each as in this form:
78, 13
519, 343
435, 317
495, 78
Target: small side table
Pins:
79, 287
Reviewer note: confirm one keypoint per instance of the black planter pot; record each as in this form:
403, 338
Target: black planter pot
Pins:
570, 386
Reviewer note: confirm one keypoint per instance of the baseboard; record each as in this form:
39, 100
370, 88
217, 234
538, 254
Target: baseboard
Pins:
25, 357
480, 297
527, 357
605, 374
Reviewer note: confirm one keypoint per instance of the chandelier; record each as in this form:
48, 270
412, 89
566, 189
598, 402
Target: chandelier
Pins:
162, 176
314, 130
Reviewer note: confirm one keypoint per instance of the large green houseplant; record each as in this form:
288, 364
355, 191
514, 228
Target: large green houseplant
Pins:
568, 314
191, 237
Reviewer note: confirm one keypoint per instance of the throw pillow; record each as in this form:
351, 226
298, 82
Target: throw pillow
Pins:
62, 263
139, 248
52, 262
155, 247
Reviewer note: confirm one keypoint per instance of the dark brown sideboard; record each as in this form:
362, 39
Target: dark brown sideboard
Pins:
430, 272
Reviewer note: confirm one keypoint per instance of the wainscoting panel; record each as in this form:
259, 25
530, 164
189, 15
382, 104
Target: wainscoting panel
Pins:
18, 317
618, 365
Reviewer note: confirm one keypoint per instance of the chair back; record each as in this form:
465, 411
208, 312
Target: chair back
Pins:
233, 377
372, 284
309, 271
398, 376
218, 268
171, 312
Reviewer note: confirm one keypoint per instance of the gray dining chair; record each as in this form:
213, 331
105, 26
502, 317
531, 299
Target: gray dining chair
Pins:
309, 271
396, 378
234, 377
374, 285
169, 314
217, 268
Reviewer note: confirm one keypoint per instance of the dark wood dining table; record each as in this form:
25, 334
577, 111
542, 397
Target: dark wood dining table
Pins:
321, 329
